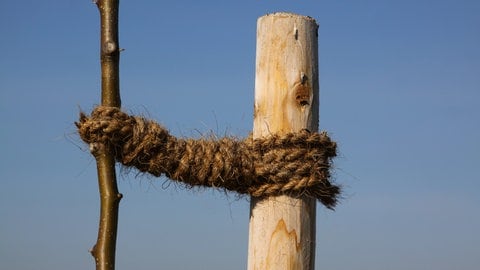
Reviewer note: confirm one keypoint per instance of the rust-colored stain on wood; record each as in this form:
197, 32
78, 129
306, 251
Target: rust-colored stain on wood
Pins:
272, 108
284, 242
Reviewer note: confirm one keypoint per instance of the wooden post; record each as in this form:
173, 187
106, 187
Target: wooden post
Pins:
282, 228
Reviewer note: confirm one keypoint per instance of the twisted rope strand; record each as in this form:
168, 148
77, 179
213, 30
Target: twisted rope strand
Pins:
294, 164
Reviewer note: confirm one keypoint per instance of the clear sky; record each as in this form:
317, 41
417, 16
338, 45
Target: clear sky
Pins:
399, 91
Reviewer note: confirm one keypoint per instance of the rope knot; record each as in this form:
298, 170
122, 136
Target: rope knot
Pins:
295, 163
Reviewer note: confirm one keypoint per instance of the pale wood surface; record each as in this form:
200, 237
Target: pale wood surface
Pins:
282, 229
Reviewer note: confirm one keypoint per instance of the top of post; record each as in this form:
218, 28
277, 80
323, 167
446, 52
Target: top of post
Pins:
287, 15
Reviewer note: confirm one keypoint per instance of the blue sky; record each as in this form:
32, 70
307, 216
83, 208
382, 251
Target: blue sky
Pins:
399, 91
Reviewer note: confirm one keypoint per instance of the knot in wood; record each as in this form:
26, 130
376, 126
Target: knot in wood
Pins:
295, 164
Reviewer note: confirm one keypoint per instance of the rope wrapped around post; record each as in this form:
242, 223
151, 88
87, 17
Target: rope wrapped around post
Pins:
294, 164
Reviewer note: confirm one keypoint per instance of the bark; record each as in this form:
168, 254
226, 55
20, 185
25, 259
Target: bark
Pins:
104, 249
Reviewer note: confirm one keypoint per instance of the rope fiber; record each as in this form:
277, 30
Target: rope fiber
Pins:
295, 164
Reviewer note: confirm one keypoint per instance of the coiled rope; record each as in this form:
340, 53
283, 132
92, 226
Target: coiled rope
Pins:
295, 163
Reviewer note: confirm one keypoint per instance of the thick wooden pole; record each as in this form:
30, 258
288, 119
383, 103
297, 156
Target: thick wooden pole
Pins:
282, 229
104, 249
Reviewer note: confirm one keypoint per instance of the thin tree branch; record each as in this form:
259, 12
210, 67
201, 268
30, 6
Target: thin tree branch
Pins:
104, 250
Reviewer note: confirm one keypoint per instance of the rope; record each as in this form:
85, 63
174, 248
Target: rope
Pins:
295, 164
